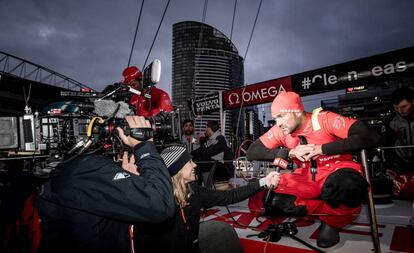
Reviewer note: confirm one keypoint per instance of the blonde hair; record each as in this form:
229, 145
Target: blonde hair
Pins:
181, 190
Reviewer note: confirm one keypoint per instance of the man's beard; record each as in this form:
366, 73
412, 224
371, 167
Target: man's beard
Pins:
410, 115
294, 128
188, 132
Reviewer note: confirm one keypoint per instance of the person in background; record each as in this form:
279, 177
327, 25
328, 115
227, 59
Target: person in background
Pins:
401, 133
90, 201
180, 233
152, 100
402, 126
326, 179
189, 139
214, 149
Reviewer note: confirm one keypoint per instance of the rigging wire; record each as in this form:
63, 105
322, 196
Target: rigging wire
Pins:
254, 26
199, 43
205, 11
136, 31
156, 34
232, 22
244, 60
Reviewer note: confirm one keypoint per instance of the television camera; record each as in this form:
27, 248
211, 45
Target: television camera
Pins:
83, 123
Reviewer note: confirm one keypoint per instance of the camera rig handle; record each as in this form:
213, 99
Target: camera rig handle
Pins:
142, 134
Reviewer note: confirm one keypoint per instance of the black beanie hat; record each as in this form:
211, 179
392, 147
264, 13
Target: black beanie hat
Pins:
175, 157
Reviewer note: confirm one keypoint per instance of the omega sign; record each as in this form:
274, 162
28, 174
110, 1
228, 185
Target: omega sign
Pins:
259, 93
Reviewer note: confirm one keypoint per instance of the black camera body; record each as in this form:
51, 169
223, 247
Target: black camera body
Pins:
55, 131
76, 125
275, 231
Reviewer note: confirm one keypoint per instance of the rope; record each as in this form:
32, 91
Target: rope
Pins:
244, 59
205, 11
27, 98
136, 31
395, 147
254, 25
232, 22
200, 39
156, 34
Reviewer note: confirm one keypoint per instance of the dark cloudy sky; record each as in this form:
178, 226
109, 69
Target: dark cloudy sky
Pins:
90, 40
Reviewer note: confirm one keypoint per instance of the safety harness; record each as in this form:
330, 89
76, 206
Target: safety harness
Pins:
315, 126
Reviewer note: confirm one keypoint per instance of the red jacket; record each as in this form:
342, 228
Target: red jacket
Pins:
329, 127
160, 101
320, 128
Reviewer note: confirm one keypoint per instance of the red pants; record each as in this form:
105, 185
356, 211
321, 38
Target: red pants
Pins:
300, 184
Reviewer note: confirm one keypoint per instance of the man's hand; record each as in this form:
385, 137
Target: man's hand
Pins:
133, 122
300, 151
128, 164
305, 152
316, 151
272, 178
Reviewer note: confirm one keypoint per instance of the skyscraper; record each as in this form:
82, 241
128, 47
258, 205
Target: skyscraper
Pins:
204, 60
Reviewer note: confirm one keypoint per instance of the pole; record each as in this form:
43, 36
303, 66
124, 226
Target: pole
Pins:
222, 114
371, 206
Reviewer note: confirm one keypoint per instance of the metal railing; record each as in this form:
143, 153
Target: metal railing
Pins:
16, 66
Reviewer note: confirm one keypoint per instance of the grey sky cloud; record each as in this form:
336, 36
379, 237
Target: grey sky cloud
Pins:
90, 40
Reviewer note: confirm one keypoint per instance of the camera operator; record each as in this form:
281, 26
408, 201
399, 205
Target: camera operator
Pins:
159, 101
88, 205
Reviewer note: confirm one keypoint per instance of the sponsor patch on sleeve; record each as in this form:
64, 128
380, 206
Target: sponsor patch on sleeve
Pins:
144, 155
121, 175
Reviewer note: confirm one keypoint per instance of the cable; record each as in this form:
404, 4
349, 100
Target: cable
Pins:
244, 59
26, 99
239, 224
205, 10
200, 39
135, 35
254, 25
91, 124
267, 243
232, 22
156, 34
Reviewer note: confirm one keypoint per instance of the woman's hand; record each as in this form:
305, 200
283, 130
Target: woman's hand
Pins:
273, 179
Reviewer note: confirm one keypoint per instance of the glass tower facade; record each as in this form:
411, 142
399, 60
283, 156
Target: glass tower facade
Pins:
204, 60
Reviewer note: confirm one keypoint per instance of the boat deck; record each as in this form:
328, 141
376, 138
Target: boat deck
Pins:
395, 227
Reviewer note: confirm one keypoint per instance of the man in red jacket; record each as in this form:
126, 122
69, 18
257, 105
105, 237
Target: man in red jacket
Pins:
326, 180
159, 100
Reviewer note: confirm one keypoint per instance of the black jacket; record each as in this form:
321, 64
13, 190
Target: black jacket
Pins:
174, 235
90, 202
214, 149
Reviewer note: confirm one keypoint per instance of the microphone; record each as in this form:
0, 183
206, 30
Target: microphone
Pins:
281, 159
111, 109
281, 163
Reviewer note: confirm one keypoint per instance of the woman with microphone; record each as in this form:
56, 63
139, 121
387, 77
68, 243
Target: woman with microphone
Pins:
180, 233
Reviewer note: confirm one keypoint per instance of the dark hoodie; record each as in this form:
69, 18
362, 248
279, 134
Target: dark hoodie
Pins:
90, 202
